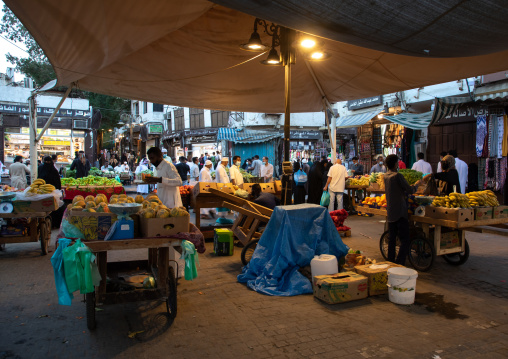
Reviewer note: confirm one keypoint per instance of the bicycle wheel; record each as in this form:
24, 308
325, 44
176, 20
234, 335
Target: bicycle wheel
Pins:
383, 245
421, 254
248, 251
457, 259
171, 301
90, 310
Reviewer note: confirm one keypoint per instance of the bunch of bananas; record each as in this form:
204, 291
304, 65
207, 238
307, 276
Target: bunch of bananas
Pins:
40, 187
453, 200
363, 181
380, 180
482, 199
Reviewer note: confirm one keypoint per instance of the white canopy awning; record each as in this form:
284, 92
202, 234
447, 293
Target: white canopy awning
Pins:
356, 120
187, 53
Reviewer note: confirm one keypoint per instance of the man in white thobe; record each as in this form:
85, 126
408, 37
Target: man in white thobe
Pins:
462, 169
266, 171
421, 165
221, 176
205, 176
234, 171
167, 179
143, 166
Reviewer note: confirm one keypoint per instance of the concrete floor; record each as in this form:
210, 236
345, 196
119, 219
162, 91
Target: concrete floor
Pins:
460, 312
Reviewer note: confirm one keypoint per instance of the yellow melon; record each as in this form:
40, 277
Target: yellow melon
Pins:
123, 195
81, 204
69, 207
146, 204
90, 204
89, 198
154, 205
99, 199
77, 199
163, 213
149, 213
130, 200
139, 199
113, 201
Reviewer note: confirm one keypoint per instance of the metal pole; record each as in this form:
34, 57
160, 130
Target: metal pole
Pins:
131, 146
33, 136
287, 109
54, 113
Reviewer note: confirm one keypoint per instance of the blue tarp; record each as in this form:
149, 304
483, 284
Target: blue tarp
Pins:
293, 236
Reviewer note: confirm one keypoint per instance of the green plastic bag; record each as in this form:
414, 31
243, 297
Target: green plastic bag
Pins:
191, 259
325, 199
81, 272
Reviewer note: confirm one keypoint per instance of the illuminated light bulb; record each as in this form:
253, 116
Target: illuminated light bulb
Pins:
308, 43
317, 55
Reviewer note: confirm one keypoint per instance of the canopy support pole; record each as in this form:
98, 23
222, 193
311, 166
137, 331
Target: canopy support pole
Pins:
332, 133
50, 119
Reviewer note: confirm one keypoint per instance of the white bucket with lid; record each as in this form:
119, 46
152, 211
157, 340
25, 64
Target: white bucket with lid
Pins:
402, 285
324, 264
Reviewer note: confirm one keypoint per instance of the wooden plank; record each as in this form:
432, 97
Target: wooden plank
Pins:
152, 257
102, 264
459, 225
248, 223
100, 246
240, 235
489, 230
24, 215
234, 199
162, 267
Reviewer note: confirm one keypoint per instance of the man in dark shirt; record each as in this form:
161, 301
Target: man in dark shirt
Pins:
267, 200
183, 168
397, 189
357, 168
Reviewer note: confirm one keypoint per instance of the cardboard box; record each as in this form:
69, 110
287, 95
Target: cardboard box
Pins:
223, 242
482, 213
48, 204
500, 212
278, 186
203, 187
94, 226
163, 227
247, 187
340, 287
450, 214
377, 275
268, 187
450, 239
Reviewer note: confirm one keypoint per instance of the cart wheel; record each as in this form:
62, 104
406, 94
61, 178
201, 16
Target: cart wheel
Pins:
383, 245
90, 310
43, 237
457, 259
248, 251
421, 254
171, 301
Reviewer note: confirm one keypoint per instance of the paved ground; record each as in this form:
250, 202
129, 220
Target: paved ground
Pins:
460, 312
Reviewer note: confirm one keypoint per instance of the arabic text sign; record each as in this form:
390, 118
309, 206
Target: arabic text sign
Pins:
364, 102
43, 111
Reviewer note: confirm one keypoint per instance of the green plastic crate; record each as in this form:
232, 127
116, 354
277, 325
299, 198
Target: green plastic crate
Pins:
223, 242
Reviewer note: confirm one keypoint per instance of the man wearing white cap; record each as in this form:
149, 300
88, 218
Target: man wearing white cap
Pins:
205, 176
221, 176
165, 155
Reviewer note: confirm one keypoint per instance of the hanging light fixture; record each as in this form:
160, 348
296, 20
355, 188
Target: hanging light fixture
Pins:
273, 58
317, 55
254, 43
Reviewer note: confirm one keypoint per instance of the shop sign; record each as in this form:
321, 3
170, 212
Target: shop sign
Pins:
202, 132
464, 114
169, 135
154, 129
57, 143
364, 102
303, 135
43, 111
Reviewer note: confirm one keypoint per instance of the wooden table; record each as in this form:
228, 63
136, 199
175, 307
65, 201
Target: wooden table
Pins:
204, 200
351, 190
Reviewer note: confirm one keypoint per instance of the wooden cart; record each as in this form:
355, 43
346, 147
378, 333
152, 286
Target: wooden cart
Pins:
39, 228
157, 264
427, 235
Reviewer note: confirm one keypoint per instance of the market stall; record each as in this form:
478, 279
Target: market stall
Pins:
91, 185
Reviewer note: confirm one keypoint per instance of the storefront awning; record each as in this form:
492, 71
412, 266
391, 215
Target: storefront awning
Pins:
356, 120
446, 106
245, 136
415, 121
491, 91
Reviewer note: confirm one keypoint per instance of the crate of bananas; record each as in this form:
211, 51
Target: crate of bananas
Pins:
482, 199
453, 200
39, 186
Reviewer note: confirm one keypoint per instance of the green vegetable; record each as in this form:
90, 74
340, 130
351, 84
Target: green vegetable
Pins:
94, 171
90, 181
411, 176
70, 173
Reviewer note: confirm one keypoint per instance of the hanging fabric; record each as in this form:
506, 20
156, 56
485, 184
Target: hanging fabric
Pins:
485, 150
505, 137
503, 167
482, 163
500, 136
481, 131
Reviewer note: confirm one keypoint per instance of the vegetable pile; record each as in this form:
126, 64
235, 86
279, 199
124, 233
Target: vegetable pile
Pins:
338, 218
411, 176
90, 181
362, 181
94, 171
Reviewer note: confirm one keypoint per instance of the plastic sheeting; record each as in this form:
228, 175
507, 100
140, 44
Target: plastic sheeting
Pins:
293, 236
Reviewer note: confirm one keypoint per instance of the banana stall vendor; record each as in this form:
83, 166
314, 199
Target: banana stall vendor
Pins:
166, 177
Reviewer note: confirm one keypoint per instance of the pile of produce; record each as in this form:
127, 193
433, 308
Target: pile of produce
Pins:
39, 186
377, 177
242, 193
453, 200
7, 188
154, 208
91, 204
94, 171
362, 181
411, 176
246, 175
482, 199
147, 172
376, 201
70, 173
185, 190
90, 181
338, 218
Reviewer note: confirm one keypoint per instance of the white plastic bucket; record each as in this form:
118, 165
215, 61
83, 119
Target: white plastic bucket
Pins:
324, 264
402, 285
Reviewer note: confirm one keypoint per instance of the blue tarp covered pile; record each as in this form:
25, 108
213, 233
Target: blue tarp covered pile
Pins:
292, 237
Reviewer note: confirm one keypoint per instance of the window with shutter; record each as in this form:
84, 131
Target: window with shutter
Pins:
157, 107
179, 119
197, 118
220, 118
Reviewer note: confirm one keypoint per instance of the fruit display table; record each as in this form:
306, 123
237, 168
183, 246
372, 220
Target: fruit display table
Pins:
351, 191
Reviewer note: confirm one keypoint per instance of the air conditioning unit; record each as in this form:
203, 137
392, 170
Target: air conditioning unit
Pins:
81, 124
